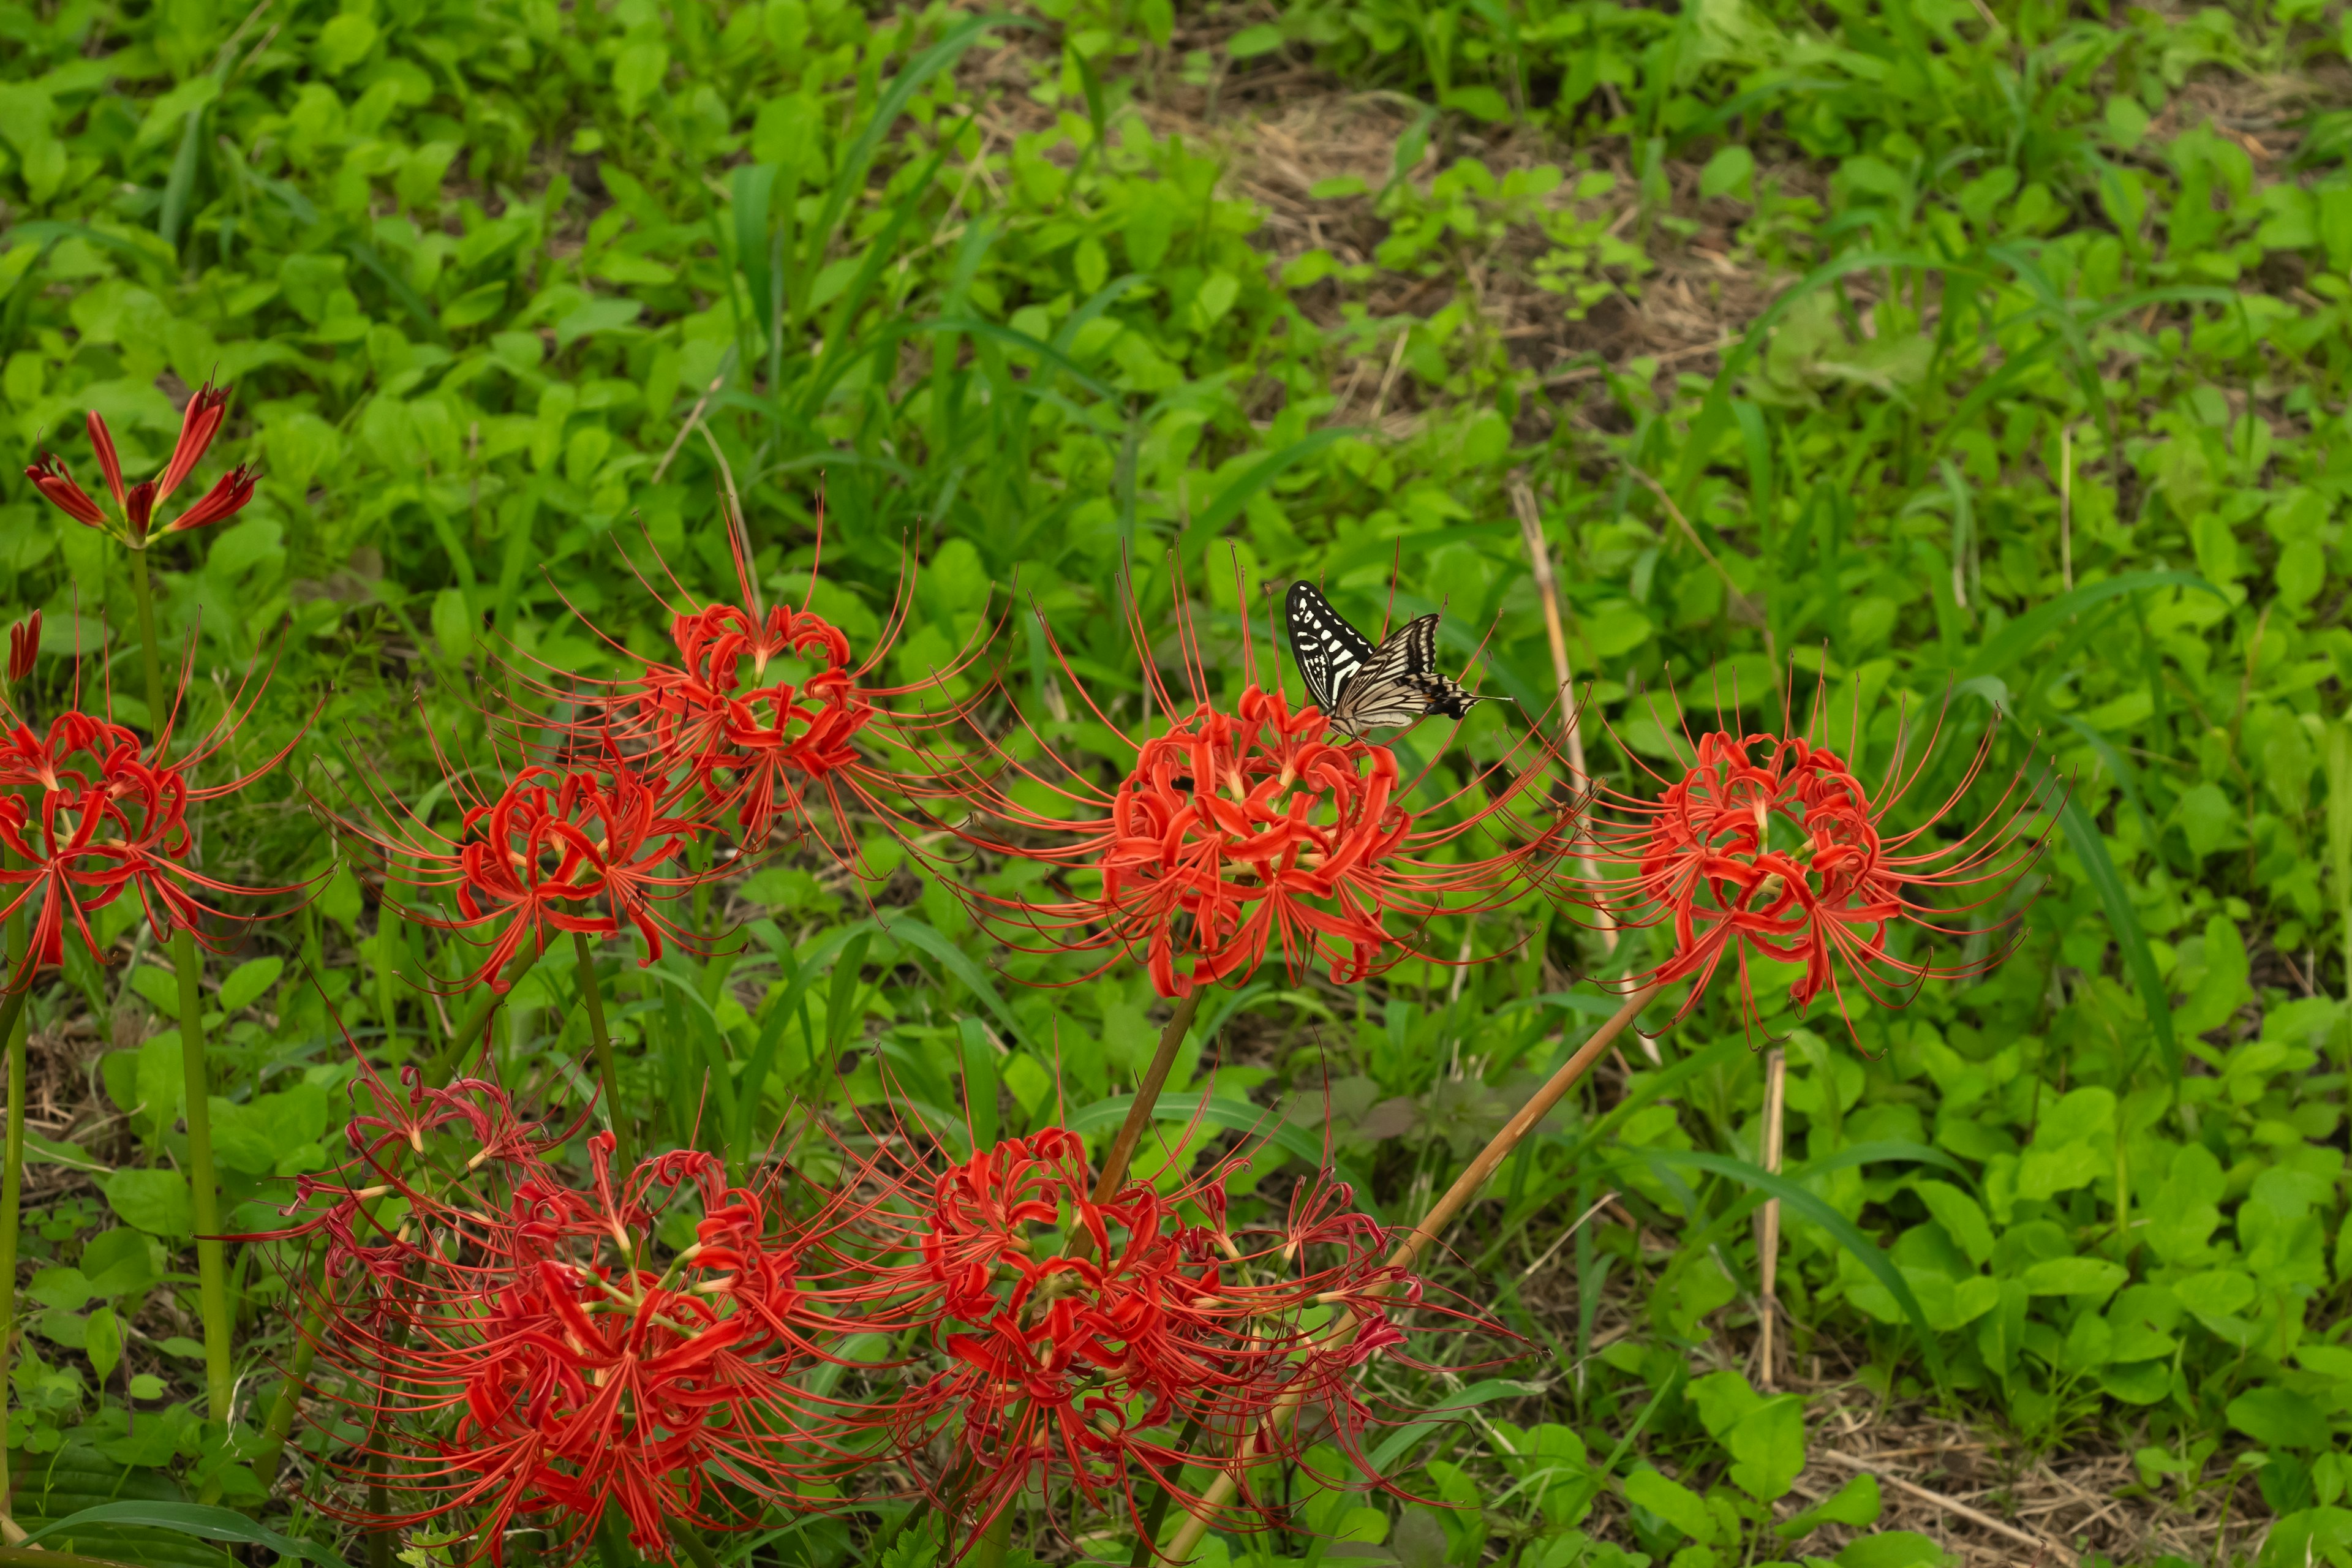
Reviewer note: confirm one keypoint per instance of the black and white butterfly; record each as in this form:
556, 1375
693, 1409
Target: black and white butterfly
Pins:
1360, 687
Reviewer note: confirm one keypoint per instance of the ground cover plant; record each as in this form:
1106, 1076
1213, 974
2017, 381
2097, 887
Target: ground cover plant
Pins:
1959, 388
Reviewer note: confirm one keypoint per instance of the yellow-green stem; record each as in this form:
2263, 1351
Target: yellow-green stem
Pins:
279, 1423
697, 1550
591, 994
212, 1272
12, 1193
1768, 1226
468, 1032
1121, 1152
988, 1551
1147, 1096
1204, 1511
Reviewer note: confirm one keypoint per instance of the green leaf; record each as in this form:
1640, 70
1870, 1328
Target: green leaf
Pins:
1961, 1216
1398, 1444
190, 1519
957, 963
1844, 1231
2123, 921
1235, 1115
1672, 1502
1855, 1503
102, 1342
1895, 1549
156, 1201
1230, 500
2278, 1418
2018, 638
248, 983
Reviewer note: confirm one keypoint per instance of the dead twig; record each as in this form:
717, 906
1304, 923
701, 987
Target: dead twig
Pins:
2041, 1544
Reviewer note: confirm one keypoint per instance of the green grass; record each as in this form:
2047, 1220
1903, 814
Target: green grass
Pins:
2036, 402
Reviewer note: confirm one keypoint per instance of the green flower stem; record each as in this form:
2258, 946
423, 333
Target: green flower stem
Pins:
468, 1032
988, 1551
187, 967
1121, 1152
12, 1192
279, 1423
697, 1550
593, 996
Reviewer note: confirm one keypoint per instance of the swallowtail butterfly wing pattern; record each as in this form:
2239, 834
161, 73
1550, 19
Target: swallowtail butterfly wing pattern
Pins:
1360, 686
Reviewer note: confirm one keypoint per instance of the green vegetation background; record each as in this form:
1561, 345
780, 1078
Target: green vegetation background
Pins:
2030, 389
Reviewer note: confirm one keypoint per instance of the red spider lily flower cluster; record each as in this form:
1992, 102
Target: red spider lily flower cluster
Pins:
1239, 833
134, 509
525, 1353
1771, 847
89, 812
520, 1355
573, 849
1151, 1342
766, 717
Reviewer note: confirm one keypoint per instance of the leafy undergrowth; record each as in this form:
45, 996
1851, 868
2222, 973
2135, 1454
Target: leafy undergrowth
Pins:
1947, 361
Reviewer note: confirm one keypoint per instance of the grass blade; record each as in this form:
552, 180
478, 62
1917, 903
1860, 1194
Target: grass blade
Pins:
2091, 849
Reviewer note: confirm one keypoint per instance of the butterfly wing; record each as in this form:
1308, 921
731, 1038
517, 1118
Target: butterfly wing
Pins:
1329, 651
1388, 691
1401, 685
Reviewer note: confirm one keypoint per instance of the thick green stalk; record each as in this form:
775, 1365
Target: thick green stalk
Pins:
594, 995
279, 1423
12, 1193
697, 1550
988, 1551
1121, 1152
212, 1272
468, 1032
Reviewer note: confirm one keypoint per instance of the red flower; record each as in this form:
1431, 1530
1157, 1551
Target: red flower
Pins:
136, 506
1166, 1338
1773, 847
24, 643
1237, 833
523, 1354
88, 812
557, 849
764, 711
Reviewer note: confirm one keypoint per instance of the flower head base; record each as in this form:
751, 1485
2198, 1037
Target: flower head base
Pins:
1240, 833
1771, 847
521, 1352
1160, 1338
134, 507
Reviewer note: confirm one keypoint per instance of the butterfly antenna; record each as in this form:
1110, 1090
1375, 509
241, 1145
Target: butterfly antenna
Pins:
1281, 668
1388, 616
1241, 598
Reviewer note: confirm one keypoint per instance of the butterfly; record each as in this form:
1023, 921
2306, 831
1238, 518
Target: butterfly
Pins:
1360, 687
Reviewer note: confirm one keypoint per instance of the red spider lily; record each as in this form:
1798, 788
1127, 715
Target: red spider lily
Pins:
766, 710
1237, 833
88, 812
1771, 847
1098, 1373
24, 646
557, 849
523, 1354
135, 507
